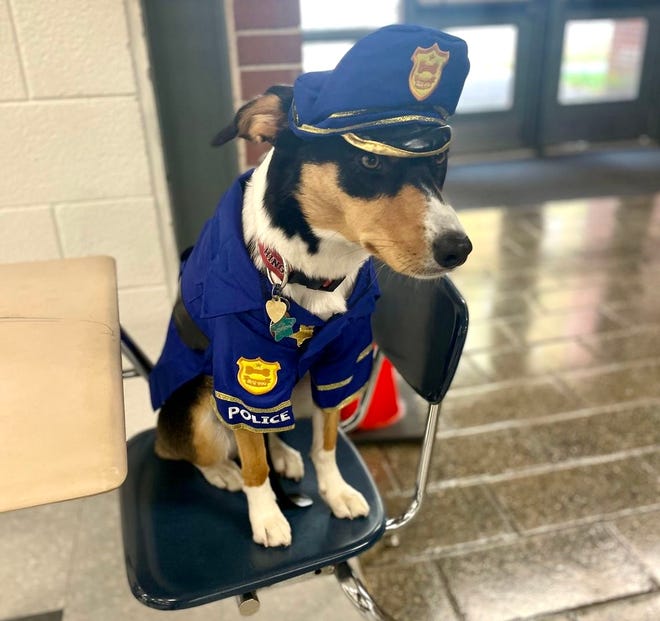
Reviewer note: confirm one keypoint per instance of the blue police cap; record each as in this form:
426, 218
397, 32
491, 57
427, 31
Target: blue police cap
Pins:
391, 93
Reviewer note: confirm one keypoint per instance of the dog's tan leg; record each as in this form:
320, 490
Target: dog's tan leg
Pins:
344, 500
188, 429
287, 461
214, 449
269, 526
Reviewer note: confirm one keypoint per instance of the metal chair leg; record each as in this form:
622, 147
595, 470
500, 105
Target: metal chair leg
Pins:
425, 455
248, 604
138, 358
355, 590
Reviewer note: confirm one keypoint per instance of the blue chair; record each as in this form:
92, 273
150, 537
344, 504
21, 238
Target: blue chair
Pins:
187, 543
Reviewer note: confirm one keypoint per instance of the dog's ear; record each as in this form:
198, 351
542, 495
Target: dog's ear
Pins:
261, 119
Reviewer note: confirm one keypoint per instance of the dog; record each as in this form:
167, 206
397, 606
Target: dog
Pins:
275, 297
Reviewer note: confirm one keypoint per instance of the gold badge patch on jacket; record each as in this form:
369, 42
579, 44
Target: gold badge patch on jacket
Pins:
256, 375
425, 75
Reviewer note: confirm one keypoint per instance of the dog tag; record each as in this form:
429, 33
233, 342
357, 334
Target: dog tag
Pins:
283, 328
304, 333
275, 309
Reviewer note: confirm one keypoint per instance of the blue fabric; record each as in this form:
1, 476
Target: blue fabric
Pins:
373, 81
225, 295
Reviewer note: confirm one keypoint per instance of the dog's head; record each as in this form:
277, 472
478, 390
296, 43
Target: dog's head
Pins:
392, 207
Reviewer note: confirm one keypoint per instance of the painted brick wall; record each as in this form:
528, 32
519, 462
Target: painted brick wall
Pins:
80, 160
268, 50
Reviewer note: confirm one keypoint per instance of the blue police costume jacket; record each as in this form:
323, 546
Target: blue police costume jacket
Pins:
253, 375
390, 94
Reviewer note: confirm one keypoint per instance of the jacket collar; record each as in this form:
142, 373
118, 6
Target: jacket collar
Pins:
232, 283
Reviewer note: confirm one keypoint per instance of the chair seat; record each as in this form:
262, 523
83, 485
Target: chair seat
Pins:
188, 543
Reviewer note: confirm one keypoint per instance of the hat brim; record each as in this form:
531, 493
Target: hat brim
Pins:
411, 140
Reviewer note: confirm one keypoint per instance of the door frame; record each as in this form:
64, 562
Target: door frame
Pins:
536, 119
600, 121
188, 50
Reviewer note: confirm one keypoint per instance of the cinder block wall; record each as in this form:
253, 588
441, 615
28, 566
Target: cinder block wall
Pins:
80, 160
81, 169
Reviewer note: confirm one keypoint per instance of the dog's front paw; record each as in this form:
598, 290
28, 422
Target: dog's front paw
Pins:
269, 526
345, 501
224, 474
286, 460
271, 530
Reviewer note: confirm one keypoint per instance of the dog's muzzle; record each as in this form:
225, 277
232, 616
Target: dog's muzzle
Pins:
451, 249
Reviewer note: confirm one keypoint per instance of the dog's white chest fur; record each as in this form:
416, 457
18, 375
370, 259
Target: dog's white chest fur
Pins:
336, 257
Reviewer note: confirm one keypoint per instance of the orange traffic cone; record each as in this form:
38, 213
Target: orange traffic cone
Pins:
385, 408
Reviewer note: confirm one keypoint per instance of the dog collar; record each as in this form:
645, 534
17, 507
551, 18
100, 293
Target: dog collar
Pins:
277, 266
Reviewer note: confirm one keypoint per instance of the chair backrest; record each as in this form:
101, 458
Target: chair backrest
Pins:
421, 326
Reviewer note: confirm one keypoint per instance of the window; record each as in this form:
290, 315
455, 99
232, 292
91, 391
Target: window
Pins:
322, 55
492, 52
602, 60
348, 14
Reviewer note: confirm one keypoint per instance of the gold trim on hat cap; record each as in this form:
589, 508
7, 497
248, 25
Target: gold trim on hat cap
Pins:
341, 115
347, 113
380, 148
408, 118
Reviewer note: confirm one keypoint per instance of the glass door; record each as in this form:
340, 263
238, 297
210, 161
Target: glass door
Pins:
500, 35
504, 85
546, 72
602, 82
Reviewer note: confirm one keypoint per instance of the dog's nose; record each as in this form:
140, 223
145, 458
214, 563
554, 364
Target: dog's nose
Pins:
451, 249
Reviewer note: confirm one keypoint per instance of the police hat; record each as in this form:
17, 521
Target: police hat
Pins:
391, 93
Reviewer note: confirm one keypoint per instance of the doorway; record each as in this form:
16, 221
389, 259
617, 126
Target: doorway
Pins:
546, 72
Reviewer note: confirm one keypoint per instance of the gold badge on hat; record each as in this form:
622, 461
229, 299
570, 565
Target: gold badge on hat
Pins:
256, 375
428, 63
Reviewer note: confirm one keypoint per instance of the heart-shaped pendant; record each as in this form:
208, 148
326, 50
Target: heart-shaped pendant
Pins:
275, 309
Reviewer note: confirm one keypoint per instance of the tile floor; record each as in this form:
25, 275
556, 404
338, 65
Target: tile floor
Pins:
545, 488
544, 499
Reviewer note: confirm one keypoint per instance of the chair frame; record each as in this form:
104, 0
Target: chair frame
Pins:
427, 446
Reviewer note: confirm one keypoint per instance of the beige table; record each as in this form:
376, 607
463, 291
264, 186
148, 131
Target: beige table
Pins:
61, 401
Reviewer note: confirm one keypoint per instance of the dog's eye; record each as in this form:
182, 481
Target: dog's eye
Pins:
370, 161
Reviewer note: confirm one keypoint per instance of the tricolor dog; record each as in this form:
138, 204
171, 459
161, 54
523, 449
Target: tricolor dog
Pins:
273, 317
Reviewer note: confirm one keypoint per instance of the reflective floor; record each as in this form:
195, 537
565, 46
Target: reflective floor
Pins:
545, 495
544, 502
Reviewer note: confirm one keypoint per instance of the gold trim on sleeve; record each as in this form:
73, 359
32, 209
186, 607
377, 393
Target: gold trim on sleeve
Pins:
345, 402
365, 352
324, 387
277, 408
